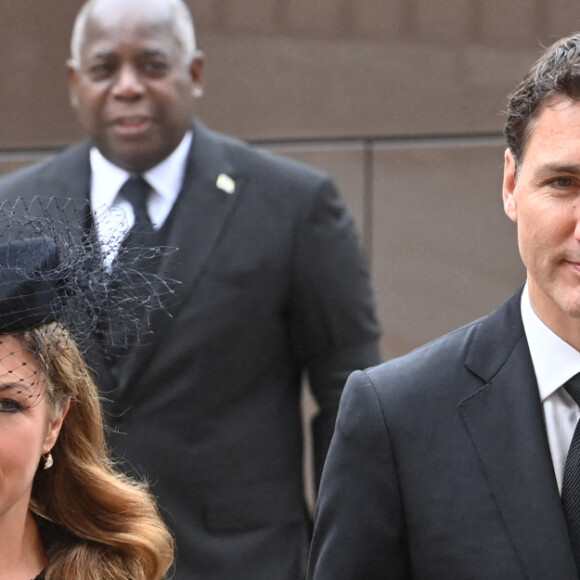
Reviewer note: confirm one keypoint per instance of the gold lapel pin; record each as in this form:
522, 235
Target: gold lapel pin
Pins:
226, 183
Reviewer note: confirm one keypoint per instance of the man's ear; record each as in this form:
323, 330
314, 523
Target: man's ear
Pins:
509, 186
73, 77
196, 73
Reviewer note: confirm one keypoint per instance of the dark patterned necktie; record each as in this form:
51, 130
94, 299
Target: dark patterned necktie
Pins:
571, 482
136, 190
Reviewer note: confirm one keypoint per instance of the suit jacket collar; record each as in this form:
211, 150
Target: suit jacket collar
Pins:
65, 176
69, 174
505, 421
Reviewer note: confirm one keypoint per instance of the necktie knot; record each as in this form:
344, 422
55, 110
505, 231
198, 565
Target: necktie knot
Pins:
136, 190
142, 234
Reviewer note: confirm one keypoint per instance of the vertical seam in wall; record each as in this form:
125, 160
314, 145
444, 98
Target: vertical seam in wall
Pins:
346, 18
408, 18
281, 17
368, 161
476, 21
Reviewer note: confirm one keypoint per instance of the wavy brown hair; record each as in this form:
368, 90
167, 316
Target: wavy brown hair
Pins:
115, 528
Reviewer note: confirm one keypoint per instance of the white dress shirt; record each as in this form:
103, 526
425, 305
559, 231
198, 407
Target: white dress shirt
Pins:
113, 215
555, 362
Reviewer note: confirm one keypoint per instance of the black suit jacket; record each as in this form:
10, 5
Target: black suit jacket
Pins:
274, 285
440, 469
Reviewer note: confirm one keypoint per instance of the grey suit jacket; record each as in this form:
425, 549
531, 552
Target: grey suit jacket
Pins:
439, 467
273, 286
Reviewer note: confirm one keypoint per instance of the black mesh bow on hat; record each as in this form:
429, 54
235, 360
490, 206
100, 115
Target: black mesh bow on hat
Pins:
53, 268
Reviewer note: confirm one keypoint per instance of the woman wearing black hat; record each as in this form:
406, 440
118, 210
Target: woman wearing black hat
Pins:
65, 512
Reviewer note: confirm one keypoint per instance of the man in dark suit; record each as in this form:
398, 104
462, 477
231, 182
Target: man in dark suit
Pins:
274, 286
452, 461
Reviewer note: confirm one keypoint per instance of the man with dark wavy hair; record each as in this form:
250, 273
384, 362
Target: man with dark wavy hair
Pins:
460, 460
273, 287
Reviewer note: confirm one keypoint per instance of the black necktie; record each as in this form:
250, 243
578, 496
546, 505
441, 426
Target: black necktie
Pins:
117, 337
571, 482
136, 190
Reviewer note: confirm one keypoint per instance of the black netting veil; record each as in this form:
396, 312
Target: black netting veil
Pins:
54, 268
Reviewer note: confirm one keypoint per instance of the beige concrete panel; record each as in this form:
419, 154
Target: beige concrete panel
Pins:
379, 20
344, 163
33, 100
268, 88
251, 16
306, 16
561, 18
207, 13
450, 21
510, 23
443, 251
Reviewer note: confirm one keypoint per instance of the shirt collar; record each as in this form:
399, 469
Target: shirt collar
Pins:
554, 360
165, 178
106, 180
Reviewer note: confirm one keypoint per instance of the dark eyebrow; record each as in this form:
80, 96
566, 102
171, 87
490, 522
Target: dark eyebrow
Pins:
152, 52
17, 386
559, 168
104, 55
100, 55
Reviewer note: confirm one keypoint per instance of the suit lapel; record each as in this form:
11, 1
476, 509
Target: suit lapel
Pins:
505, 422
69, 175
198, 218
202, 209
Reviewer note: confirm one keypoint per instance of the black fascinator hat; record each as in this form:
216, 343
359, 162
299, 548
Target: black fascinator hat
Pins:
54, 268
28, 285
